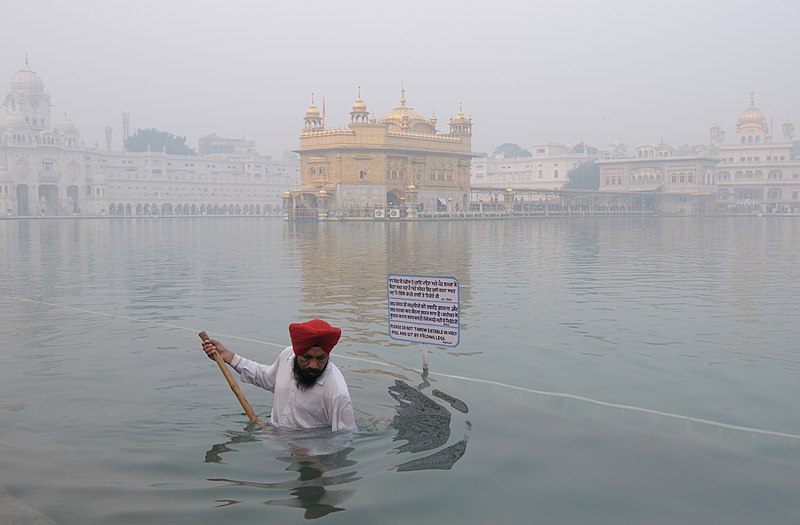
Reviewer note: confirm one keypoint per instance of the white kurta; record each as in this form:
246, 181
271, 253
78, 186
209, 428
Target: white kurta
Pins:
326, 404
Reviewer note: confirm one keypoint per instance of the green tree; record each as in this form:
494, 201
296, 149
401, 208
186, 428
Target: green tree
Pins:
585, 176
512, 151
154, 140
582, 147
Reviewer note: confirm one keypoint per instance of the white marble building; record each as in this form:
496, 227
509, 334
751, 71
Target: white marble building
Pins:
756, 173
45, 169
546, 170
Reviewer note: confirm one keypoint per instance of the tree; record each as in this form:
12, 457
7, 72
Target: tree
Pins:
154, 140
582, 147
511, 151
585, 176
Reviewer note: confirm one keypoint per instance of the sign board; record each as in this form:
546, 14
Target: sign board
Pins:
424, 309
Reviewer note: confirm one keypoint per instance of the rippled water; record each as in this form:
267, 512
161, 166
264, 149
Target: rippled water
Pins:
614, 370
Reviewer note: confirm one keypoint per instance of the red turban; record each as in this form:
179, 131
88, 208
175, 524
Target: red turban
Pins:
313, 333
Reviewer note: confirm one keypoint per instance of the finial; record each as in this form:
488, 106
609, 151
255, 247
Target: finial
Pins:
26, 59
312, 99
753, 98
402, 94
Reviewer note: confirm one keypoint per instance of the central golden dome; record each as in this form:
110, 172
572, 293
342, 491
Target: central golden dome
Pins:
403, 114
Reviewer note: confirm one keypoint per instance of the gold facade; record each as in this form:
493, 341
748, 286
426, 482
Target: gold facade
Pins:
391, 164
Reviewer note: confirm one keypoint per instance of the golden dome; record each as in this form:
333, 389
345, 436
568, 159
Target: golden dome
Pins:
312, 111
359, 106
752, 115
403, 114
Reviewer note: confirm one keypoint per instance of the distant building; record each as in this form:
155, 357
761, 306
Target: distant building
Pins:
752, 175
47, 170
756, 174
546, 169
382, 164
684, 183
215, 145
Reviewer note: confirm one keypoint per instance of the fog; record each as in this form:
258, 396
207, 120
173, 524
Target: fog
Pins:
526, 72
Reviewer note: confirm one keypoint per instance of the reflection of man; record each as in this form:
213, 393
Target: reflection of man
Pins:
320, 459
425, 425
310, 391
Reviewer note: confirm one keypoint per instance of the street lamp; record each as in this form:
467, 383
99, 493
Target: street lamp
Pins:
411, 209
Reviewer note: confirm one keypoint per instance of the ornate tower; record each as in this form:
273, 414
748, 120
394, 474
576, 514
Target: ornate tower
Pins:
716, 136
27, 108
313, 119
788, 130
359, 115
752, 128
461, 125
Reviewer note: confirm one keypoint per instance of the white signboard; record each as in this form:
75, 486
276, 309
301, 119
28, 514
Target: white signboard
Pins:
424, 309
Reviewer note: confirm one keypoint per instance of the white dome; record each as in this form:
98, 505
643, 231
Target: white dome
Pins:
27, 81
65, 125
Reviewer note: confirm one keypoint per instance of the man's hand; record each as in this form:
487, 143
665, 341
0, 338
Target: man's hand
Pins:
212, 346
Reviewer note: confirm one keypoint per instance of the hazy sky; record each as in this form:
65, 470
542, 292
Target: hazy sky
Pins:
525, 71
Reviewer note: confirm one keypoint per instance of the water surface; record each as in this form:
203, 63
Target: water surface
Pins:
614, 370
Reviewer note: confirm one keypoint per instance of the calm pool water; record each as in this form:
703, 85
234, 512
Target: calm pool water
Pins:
613, 370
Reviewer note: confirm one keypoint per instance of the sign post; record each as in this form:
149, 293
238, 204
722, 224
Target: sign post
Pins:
424, 309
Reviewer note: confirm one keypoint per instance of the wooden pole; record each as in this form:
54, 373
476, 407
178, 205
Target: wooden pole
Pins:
232, 383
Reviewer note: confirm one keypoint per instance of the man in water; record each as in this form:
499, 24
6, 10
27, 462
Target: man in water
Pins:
310, 391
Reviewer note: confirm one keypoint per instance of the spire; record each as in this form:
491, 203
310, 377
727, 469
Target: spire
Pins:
359, 115
312, 118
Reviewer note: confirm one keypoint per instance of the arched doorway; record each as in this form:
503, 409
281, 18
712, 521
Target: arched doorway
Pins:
73, 204
48, 200
23, 200
393, 198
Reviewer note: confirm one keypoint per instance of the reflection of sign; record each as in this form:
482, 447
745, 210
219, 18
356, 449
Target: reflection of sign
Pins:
424, 309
